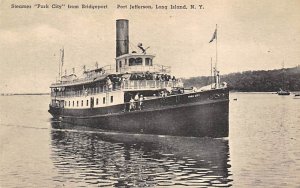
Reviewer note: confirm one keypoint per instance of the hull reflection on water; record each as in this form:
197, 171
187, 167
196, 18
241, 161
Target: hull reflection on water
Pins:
91, 157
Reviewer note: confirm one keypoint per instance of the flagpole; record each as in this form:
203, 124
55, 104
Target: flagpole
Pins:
211, 77
216, 69
216, 46
215, 36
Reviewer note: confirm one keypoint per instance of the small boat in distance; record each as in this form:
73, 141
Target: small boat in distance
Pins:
283, 91
297, 95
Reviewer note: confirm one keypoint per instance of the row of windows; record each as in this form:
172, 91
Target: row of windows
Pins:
87, 102
137, 61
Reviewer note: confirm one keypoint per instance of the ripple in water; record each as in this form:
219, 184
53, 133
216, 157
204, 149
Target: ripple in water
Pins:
91, 158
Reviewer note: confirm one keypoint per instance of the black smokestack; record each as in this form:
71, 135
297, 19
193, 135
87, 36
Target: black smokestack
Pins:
122, 39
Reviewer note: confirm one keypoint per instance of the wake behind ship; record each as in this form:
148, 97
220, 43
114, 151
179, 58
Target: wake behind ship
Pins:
139, 96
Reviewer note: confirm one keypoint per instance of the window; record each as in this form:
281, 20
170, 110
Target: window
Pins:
139, 61
97, 101
120, 64
77, 103
73, 103
131, 61
69, 103
125, 62
65, 103
103, 100
148, 61
82, 103
111, 99
87, 102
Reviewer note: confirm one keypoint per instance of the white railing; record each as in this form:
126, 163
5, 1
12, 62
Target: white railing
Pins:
125, 85
86, 92
106, 71
150, 84
142, 68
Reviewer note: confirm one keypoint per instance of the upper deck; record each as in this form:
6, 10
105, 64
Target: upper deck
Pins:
127, 85
88, 77
125, 64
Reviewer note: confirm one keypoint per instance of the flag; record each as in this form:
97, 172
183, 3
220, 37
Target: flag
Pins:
214, 36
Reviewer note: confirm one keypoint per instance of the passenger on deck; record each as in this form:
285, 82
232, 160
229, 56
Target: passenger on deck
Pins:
109, 84
166, 77
131, 104
141, 99
136, 97
122, 82
157, 77
163, 94
194, 89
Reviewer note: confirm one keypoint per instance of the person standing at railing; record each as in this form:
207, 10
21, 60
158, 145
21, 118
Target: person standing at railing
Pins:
131, 104
136, 97
109, 84
157, 77
153, 76
141, 99
122, 82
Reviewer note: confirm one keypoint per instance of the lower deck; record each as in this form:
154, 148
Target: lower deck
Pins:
149, 103
193, 114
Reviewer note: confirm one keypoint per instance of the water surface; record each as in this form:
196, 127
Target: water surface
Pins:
262, 150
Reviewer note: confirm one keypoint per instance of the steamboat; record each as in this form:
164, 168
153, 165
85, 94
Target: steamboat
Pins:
139, 96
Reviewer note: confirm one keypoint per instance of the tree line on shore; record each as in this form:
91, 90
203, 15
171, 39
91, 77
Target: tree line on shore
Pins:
254, 81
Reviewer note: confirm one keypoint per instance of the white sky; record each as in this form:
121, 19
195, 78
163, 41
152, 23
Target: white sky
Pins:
252, 35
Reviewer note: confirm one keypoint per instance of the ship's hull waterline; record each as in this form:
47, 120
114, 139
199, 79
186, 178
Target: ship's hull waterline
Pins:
194, 114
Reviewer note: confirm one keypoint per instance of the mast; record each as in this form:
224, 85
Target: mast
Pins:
216, 46
59, 61
62, 61
283, 79
211, 72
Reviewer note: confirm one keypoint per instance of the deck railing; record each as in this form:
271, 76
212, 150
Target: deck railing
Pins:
106, 71
126, 85
140, 68
149, 84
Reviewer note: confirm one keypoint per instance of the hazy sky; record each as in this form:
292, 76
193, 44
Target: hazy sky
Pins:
252, 35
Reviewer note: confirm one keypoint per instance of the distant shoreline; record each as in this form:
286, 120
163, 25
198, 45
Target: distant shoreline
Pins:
11, 94
254, 81
232, 91
260, 81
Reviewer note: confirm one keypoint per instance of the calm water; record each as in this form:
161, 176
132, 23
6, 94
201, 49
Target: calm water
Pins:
263, 149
